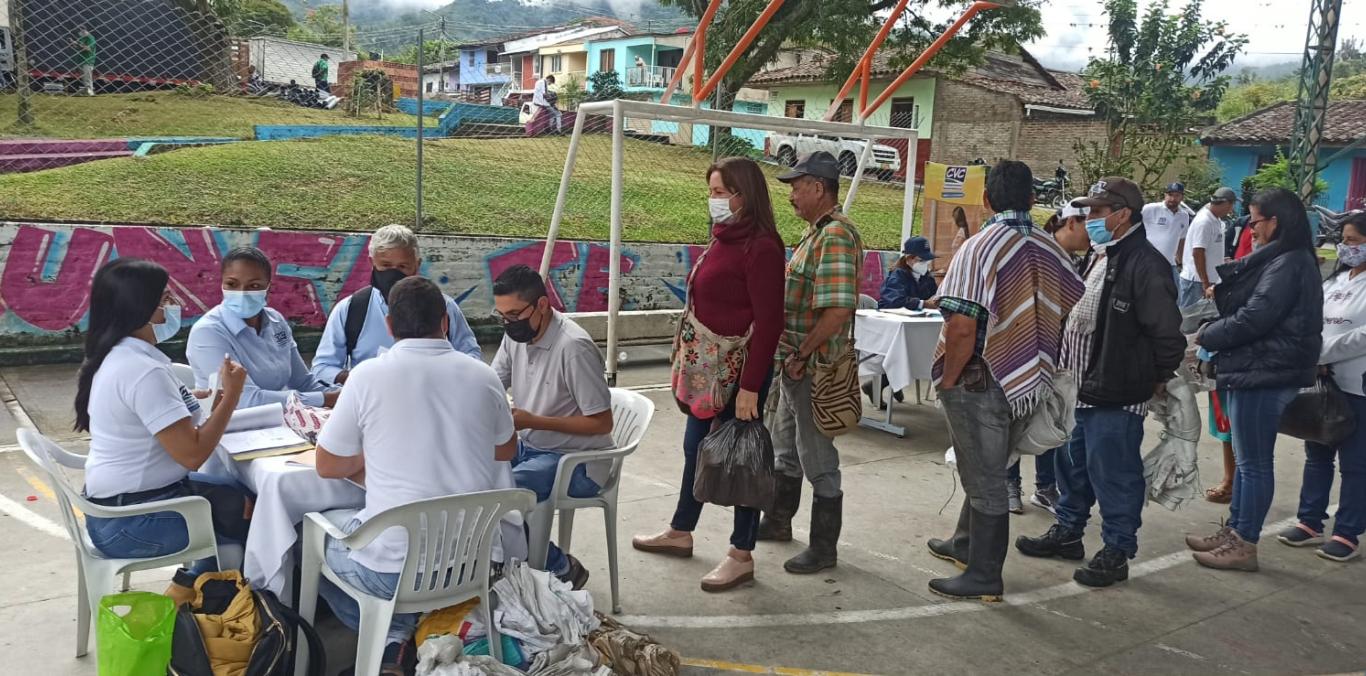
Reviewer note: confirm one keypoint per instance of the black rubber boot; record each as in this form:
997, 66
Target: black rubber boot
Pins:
955, 549
776, 525
1058, 542
822, 552
987, 538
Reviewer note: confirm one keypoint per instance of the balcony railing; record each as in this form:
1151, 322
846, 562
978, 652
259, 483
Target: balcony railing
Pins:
502, 68
650, 77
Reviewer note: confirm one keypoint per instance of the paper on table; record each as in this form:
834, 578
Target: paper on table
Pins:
305, 459
248, 441
257, 417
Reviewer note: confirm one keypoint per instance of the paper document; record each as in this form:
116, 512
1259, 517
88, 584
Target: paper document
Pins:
259, 432
247, 441
257, 417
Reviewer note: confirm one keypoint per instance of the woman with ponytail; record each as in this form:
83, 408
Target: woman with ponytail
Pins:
144, 444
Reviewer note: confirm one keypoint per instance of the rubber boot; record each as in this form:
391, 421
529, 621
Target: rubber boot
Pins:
987, 537
822, 552
776, 525
955, 549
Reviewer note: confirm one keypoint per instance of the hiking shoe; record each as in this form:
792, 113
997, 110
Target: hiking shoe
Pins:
1339, 549
1300, 535
1107, 567
1209, 543
577, 575
1235, 554
1016, 504
1046, 498
1058, 542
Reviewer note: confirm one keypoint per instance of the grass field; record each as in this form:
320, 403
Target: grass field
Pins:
165, 114
500, 187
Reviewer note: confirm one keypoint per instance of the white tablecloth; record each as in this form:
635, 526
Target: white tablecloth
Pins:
904, 346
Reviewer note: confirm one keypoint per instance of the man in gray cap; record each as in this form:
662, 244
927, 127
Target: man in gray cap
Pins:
1204, 251
821, 296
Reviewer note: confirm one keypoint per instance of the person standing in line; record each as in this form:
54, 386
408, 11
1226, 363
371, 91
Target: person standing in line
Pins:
1204, 249
85, 58
1267, 344
822, 290
746, 253
321, 71
543, 98
1344, 351
1167, 222
1004, 299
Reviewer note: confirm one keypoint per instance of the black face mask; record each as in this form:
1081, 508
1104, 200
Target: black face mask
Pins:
384, 280
520, 330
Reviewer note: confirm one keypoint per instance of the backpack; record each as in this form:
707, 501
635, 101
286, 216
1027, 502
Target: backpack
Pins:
274, 648
355, 319
318, 71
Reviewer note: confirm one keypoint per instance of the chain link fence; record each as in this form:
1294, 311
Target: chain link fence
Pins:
160, 112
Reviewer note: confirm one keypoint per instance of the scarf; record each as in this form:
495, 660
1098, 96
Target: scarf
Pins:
1025, 280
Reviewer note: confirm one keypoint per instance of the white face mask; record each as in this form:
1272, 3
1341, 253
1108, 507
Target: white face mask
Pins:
920, 267
720, 209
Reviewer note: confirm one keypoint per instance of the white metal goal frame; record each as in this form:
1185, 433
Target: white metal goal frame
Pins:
619, 110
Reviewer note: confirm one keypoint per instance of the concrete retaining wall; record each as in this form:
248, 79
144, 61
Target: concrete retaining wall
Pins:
46, 269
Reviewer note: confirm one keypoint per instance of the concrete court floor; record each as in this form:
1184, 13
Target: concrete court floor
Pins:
871, 615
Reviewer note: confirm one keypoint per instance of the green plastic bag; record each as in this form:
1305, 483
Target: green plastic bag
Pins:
133, 637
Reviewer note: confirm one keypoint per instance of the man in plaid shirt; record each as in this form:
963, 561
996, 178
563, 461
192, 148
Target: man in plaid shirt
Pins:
822, 294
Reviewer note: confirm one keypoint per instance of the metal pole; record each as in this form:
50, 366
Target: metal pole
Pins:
441, 67
420, 116
716, 105
858, 171
21, 63
346, 25
908, 203
560, 197
614, 266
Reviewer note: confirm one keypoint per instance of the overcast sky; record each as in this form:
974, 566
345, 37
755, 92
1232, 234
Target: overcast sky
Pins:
1275, 28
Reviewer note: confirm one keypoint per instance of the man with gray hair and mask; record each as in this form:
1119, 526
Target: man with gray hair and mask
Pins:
356, 330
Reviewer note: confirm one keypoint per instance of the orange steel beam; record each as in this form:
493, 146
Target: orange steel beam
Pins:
682, 68
865, 63
700, 95
864, 84
700, 46
928, 54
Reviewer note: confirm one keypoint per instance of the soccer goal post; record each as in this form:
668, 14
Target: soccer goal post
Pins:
662, 137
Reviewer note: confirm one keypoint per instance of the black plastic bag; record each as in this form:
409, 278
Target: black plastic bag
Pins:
1320, 414
735, 466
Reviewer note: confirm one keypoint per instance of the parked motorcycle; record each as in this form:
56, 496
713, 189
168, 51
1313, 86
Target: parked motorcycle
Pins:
1055, 193
1330, 224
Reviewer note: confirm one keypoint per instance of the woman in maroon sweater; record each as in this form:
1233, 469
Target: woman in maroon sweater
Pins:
736, 287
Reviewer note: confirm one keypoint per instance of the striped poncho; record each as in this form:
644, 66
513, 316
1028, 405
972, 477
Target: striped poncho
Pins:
1027, 285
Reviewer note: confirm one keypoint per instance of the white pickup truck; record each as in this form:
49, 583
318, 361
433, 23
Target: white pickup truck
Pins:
885, 160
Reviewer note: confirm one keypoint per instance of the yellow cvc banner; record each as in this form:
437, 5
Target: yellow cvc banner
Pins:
955, 184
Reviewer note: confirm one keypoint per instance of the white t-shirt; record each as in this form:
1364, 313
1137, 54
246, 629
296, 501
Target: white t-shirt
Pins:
538, 94
134, 396
428, 419
1344, 330
1206, 232
1165, 229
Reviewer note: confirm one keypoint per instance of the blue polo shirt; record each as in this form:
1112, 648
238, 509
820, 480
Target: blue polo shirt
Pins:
270, 356
330, 359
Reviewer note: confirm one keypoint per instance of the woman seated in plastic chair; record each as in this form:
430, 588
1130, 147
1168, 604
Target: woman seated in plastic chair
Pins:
145, 429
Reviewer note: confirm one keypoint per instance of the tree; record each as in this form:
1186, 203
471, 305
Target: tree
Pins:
1163, 79
1254, 96
260, 17
431, 52
605, 85
1277, 175
322, 25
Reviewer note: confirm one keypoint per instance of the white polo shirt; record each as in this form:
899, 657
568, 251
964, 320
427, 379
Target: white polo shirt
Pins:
1206, 232
427, 418
1165, 228
134, 396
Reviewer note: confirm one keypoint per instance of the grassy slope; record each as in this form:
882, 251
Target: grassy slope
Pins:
476, 187
165, 114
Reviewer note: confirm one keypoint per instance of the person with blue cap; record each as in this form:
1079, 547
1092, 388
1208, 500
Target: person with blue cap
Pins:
909, 283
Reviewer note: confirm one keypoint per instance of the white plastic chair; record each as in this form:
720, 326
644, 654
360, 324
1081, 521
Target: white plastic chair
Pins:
94, 572
450, 543
631, 414
185, 374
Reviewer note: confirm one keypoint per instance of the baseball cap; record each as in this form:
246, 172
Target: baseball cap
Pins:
1115, 192
1224, 195
1070, 211
819, 164
1176, 187
918, 247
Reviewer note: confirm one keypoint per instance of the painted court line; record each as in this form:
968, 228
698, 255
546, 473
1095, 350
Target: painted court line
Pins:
760, 669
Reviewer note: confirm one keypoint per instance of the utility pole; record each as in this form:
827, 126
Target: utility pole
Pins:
1311, 107
346, 25
21, 64
441, 67
421, 116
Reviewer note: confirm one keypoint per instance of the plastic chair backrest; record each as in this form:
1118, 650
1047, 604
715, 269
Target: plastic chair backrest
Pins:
631, 415
450, 541
866, 302
185, 374
47, 455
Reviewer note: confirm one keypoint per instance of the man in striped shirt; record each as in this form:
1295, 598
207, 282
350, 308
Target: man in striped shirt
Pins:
1124, 342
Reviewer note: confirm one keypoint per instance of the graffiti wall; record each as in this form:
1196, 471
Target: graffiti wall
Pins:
45, 270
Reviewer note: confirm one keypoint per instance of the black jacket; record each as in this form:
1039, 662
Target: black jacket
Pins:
1271, 326
1138, 341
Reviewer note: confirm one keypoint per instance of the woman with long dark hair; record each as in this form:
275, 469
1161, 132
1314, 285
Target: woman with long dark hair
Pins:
1266, 344
735, 290
143, 440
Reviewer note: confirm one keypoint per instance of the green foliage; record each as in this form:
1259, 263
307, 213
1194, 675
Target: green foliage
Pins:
431, 52
1250, 95
734, 146
1202, 177
322, 25
571, 93
259, 17
1277, 175
200, 90
1249, 98
372, 93
605, 85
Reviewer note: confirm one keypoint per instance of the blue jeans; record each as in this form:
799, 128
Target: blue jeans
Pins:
1253, 417
745, 529
1188, 292
534, 470
1103, 463
1318, 480
381, 585
162, 533
1043, 470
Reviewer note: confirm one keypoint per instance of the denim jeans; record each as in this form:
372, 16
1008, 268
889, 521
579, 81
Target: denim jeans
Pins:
1188, 292
1103, 463
799, 448
381, 585
746, 528
1043, 470
1253, 417
1318, 480
162, 533
534, 470
979, 427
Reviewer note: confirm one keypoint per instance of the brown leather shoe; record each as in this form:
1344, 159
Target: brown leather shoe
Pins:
728, 574
1209, 543
1234, 554
663, 544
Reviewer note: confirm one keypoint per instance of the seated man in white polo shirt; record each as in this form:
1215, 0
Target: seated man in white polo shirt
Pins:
401, 429
560, 398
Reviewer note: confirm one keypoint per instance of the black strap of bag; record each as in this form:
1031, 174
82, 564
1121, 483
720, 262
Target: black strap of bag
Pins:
358, 308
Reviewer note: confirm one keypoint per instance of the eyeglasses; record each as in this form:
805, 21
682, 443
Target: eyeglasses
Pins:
514, 316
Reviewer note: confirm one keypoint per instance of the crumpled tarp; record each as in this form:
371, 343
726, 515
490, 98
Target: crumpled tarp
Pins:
540, 610
632, 654
1171, 469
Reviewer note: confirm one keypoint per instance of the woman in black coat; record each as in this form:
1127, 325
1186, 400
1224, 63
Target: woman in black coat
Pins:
1266, 347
